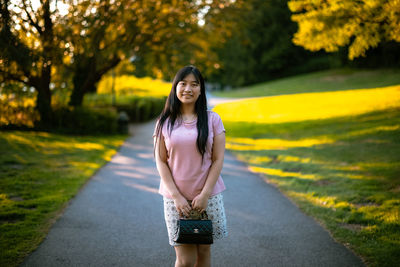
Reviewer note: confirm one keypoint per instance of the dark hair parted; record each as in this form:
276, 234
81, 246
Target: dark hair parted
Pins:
172, 108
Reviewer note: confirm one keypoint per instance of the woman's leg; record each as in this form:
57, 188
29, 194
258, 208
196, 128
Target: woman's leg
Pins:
186, 255
203, 256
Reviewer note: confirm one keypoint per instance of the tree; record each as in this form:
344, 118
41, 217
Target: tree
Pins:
191, 38
228, 59
252, 41
95, 40
172, 38
155, 34
360, 25
29, 44
78, 41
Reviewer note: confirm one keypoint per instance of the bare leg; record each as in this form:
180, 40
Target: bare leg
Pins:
203, 256
186, 255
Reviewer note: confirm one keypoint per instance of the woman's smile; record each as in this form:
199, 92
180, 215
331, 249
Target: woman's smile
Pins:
188, 89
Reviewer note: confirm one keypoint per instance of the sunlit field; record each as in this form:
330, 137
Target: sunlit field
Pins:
311, 106
323, 81
335, 154
131, 85
39, 173
127, 88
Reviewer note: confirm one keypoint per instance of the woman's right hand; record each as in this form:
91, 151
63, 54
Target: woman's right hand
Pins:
182, 205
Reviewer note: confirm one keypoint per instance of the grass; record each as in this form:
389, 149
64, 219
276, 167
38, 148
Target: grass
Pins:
311, 106
39, 173
336, 155
324, 81
128, 89
131, 85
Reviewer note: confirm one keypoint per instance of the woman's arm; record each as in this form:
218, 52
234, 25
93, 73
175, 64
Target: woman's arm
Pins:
181, 203
200, 201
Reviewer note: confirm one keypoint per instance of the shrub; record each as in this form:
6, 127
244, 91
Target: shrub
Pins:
141, 109
83, 120
17, 114
97, 116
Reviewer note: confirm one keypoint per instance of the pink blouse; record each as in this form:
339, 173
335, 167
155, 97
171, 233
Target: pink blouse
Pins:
184, 159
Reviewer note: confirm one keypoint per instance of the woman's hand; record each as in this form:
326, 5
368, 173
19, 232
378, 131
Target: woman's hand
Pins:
200, 202
182, 205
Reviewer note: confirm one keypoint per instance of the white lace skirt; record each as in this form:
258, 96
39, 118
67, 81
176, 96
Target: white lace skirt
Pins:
215, 211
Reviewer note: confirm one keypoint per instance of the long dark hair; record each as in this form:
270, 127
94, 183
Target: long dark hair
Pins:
172, 108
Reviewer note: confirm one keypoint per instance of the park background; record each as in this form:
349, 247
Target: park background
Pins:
321, 121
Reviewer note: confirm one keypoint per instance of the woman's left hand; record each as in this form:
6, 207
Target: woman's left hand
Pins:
200, 203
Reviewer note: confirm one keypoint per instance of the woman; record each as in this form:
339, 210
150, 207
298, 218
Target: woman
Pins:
189, 153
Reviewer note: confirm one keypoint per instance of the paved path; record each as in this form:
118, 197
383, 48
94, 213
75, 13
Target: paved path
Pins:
117, 220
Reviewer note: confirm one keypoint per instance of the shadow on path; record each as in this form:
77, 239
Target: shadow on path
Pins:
117, 220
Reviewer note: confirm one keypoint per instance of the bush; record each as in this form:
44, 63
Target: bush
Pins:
97, 116
17, 114
83, 120
141, 109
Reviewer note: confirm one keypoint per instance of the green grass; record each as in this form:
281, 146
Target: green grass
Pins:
335, 154
352, 186
331, 80
39, 173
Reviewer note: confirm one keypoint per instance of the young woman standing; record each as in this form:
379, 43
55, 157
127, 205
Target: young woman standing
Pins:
189, 153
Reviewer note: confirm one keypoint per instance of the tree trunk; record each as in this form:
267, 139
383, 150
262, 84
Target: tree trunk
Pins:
84, 70
78, 92
43, 105
43, 100
86, 76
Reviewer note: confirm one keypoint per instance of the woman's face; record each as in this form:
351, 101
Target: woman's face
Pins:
188, 90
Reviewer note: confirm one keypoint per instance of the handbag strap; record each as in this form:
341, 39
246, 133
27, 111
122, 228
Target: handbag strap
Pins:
195, 215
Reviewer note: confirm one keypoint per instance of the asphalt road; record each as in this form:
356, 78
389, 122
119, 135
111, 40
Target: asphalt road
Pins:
117, 220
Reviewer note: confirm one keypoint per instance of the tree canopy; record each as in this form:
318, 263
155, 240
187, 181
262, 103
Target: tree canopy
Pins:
75, 42
250, 41
360, 25
69, 45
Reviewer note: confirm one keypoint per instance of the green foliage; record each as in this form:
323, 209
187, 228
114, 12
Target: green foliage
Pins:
17, 106
47, 47
142, 109
138, 108
17, 117
28, 50
169, 41
97, 116
256, 43
64, 119
83, 120
358, 25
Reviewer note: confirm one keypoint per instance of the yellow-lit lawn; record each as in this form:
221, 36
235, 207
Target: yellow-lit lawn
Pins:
39, 173
336, 154
131, 85
310, 106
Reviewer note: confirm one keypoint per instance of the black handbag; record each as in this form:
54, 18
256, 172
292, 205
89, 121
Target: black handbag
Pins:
194, 231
